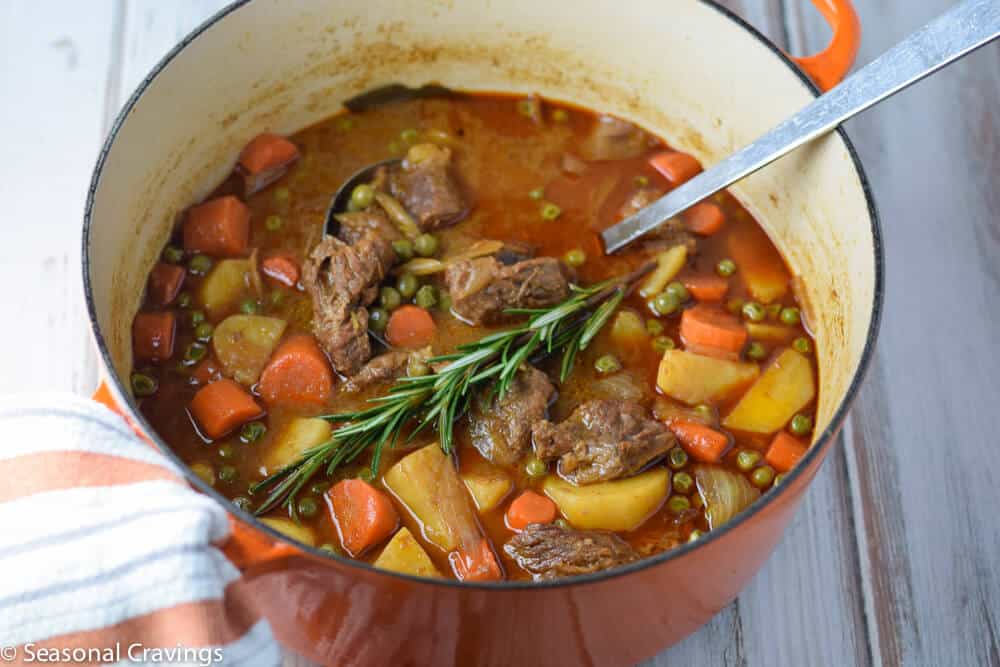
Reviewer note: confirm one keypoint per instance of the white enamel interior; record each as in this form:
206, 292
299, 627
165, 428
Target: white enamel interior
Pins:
679, 68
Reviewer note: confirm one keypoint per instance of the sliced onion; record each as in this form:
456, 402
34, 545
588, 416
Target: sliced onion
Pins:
724, 493
421, 266
481, 248
624, 386
399, 215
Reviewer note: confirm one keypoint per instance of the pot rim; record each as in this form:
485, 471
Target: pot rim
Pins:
825, 440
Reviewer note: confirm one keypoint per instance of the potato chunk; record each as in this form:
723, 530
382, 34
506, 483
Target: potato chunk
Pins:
405, 555
291, 529
296, 437
487, 483
224, 288
696, 378
783, 389
244, 343
622, 504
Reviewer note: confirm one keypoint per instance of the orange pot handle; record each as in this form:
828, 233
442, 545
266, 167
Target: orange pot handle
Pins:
251, 550
829, 67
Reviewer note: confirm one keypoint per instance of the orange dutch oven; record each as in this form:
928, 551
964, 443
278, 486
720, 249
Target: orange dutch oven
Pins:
688, 70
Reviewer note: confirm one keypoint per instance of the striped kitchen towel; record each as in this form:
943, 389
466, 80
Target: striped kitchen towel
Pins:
107, 556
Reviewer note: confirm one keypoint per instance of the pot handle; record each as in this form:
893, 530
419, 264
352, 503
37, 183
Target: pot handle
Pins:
828, 67
252, 551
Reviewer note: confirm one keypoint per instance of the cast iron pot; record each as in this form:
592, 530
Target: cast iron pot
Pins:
686, 69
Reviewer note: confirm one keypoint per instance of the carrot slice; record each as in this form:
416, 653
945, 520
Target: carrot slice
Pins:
478, 565
219, 227
298, 372
363, 515
530, 507
784, 452
707, 287
222, 406
267, 151
704, 218
675, 166
410, 326
701, 442
165, 282
206, 371
153, 336
282, 269
709, 326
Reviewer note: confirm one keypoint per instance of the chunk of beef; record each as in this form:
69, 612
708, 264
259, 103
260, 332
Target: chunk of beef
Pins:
342, 280
548, 551
481, 289
614, 139
387, 366
670, 233
354, 226
603, 439
502, 431
425, 186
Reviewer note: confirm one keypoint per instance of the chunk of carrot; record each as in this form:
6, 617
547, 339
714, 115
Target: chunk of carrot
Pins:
784, 452
675, 166
708, 326
410, 326
206, 371
530, 507
480, 564
363, 515
297, 373
282, 269
219, 227
222, 406
704, 218
153, 336
267, 151
702, 443
165, 281
706, 287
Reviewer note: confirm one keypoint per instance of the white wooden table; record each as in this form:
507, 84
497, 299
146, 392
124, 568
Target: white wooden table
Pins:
895, 557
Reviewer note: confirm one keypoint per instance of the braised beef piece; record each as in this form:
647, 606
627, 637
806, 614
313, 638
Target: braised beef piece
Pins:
501, 431
342, 280
481, 289
548, 551
603, 439
425, 186
614, 139
387, 366
670, 233
355, 224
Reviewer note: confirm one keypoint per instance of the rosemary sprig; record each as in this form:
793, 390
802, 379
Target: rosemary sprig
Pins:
438, 399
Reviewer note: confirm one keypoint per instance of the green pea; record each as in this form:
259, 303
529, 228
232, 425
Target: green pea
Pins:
143, 385
425, 245
409, 136
407, 285
195, 352
362, 197
184, 300
252, 432
683, 483
390, 298
678, 504
308, 507
753, 311
725, 268
734, 306
199, 265
666, 303
282, 194
196, 317
695, 535
550, 211
560, 115
641, 181
205, 472
272, 223
678, 290
790, 316
654, 327
250, 307
762, 477
575, 257
404, 249
756, 351
747, 459
537, 193
173, 255
536, 467
663, 343
228, 473
243, 503
677, 458
203, 332
426, 297
801, 424
802, 344
607, 364
444, 301
705, 412
378, 319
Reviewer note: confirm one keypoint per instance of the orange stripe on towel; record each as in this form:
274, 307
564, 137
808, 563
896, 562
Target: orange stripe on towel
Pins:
56, 471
